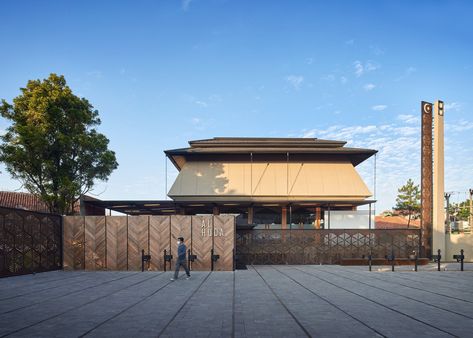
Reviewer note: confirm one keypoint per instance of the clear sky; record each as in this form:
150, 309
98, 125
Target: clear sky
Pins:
165, 72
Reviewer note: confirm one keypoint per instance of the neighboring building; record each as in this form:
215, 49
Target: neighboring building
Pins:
267, 182
22, 200
31, 202
396, 222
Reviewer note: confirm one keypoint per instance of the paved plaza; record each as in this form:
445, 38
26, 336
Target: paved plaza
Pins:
263, 301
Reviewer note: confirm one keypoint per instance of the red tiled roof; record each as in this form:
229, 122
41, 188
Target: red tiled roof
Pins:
395, 222
22, 200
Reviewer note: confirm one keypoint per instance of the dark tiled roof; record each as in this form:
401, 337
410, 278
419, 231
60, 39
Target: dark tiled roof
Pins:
234, 146
22, 200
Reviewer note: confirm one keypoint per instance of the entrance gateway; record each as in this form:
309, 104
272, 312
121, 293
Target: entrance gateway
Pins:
293, 201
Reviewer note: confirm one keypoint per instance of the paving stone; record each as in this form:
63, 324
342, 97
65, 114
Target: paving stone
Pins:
263, 301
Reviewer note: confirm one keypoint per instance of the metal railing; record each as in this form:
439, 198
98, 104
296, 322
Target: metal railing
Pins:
301, 246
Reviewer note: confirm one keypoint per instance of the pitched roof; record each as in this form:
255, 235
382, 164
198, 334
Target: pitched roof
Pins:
395, 222
234, 146
22, 200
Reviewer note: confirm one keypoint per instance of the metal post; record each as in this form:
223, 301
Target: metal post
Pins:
447, 221
471, 209
416, 262
438, 261
142, 260
392, 260
189, 259
165, 260
328, 216
369, 217
211, 259
369, 260
461, 262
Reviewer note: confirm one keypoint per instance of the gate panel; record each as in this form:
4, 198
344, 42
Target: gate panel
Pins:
202, 242
224, 242
29, 242
159, 240
304, 246
95, 243
117, 238
74, 242
137, 240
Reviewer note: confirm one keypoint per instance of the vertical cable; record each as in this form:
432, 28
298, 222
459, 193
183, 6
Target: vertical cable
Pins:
374, 189
166, 177
251, 174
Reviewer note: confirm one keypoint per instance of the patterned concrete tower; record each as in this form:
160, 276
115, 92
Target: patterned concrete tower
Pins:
426, 179
438, 240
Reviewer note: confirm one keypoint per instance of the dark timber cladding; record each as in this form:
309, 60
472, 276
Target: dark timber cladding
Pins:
426, 178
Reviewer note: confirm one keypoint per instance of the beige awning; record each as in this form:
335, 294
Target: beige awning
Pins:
278, 181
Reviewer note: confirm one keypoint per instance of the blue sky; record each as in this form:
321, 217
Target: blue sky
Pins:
165, 72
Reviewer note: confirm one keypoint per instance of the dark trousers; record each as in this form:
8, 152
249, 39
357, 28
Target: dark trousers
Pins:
180, 262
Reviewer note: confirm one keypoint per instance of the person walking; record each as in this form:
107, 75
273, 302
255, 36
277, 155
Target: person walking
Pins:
181, 258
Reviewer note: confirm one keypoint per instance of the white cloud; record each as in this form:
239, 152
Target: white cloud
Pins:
203, 104
185, 4
398, 159
196, 120
369, 87
295, 81
359, 69
343, 80
407, 73
456, 106
379, 107
410, 119
367, 67
459, 126
329, 77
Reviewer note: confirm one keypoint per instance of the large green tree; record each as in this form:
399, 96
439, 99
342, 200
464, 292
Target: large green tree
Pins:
52, 145
408, 200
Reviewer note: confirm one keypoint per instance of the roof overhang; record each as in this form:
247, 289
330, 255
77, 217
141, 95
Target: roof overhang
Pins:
167, 207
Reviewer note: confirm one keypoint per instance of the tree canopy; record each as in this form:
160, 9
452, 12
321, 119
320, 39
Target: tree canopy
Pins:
52, 145
408, 199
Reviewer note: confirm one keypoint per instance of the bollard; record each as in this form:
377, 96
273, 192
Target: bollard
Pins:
391, 258
369, 261
437, 258
213, 258
190, 258
167, 258
460, 258
415, 263
392, 261
144, 258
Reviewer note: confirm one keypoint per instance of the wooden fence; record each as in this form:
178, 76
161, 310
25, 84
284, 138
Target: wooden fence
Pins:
116, 242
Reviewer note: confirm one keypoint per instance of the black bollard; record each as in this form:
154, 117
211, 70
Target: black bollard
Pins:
369, 260
142, 260
415, 262
211, 259
438, 259
165, 260
392, 261
460, 258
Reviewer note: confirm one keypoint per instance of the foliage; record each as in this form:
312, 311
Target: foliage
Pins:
52, 146
460, 211
408, 200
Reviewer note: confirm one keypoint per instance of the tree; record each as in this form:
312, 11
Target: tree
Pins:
52, 146
408, 199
